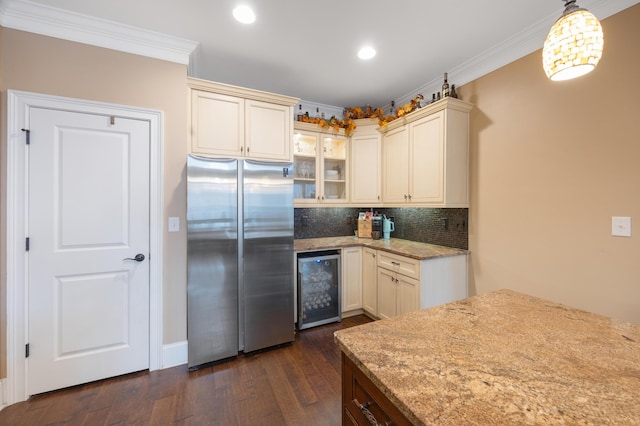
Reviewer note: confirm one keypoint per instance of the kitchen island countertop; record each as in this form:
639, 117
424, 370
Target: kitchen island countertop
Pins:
411, 249
502, 358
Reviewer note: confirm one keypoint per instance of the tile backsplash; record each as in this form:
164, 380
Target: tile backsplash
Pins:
445, 227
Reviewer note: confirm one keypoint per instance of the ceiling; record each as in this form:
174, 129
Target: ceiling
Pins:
308, 49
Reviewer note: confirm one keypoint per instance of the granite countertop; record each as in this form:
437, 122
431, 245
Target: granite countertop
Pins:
502, 358
411, 249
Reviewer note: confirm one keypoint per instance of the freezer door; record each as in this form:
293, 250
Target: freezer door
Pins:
267, 259
212, 259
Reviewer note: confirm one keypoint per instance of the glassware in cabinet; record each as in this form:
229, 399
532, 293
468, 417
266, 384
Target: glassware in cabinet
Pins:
334, 162
305, 166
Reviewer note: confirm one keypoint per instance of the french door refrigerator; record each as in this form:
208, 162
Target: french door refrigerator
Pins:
240, 284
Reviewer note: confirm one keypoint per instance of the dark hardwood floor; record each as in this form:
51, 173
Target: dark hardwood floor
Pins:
298, 384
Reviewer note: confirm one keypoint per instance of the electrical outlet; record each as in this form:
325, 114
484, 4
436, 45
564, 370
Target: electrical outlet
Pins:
620, 226
174, 224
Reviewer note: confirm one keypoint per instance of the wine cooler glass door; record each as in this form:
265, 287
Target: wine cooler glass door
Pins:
318, 290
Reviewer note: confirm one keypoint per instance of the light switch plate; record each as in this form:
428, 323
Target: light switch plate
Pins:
174, 224
620, 226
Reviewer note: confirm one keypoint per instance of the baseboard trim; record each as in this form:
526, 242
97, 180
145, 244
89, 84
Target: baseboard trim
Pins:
352, 313
175, 354
3, 403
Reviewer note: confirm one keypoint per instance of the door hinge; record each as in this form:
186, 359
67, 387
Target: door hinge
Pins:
26, 243
26, 350
28, 132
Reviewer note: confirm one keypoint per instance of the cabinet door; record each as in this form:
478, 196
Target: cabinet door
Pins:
351, 279
217, 124
366, 168
333, 173
268, 131
387, 293
305, 167
426, 159
369, 281
408, 296
395, 169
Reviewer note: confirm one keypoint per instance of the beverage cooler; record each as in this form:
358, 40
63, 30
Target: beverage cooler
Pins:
318, 288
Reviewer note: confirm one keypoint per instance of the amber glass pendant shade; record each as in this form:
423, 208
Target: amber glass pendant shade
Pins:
574, 44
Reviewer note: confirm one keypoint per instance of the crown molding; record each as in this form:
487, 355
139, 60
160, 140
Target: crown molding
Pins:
521, 44
53, 22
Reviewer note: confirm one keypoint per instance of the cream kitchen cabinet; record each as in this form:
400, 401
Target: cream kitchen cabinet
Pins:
230, 121
405, 284
395, 166
426, 157
369, 281
351, 279
366, 164
398, 285
397, 294
320, 162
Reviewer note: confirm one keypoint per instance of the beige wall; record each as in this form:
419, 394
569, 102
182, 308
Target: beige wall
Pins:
551, 162
51, 66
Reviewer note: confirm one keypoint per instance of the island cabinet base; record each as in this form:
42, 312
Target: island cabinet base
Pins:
363, 404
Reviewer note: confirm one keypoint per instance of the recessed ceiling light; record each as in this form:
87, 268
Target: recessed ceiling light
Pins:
244, 14
367, 52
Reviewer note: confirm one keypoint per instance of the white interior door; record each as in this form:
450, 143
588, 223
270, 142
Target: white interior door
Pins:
88, 210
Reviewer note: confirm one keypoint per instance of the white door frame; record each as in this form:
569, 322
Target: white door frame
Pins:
18, 103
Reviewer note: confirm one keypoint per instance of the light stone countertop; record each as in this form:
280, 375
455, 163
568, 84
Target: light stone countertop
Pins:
502, 358
411, 249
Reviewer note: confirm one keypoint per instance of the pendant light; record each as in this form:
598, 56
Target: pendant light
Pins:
574, 44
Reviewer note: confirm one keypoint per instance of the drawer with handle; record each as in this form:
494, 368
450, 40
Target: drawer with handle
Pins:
400, 264
363, 403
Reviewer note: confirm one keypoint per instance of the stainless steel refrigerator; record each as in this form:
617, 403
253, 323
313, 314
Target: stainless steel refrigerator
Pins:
240, 257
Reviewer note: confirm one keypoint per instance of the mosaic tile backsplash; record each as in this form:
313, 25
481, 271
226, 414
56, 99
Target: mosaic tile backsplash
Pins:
445, 227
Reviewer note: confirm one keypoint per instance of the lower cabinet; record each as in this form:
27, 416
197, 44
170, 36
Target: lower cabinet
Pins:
369, 281
363, 403
397, 294
384, 284
393, 284
351, 278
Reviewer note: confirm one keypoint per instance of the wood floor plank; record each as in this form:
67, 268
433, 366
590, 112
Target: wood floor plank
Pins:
297, 384
162, 411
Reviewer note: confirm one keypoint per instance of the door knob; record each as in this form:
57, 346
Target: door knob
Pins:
139, 257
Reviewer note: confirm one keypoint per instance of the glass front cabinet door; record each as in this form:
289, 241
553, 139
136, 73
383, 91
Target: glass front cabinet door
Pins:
320, 168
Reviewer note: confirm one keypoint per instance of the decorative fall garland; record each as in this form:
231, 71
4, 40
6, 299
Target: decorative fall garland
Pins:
351, 114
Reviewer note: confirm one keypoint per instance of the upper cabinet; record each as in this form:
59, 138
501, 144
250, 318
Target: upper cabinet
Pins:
231, 121
366, 164
320, 163
426, 157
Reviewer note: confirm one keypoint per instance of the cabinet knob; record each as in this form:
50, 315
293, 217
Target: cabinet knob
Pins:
405, 196
409, 194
